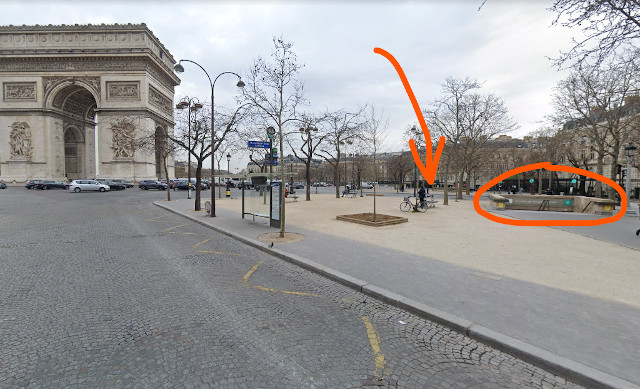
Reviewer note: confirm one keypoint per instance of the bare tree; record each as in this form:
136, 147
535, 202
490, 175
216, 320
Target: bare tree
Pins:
599, 104
342, 129
226, 124
310, 140
607, 25
468, 121
398, 166
275, 93
374, 133
159, 143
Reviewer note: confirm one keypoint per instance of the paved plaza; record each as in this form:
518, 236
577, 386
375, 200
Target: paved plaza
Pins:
572, 292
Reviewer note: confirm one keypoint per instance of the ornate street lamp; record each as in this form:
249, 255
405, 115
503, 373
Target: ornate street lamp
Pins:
228, 161
629, 151
271, 132
179, 69
193, 107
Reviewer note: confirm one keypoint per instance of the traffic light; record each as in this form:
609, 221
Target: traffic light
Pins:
624, 173
618, 169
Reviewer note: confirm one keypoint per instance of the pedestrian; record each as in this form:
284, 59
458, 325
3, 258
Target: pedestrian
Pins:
402, 187
421, 195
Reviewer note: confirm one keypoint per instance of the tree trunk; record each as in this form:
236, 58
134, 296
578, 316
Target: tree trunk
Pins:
336, 180
307, 172
599, 170
166, 176
198, 174
445, 201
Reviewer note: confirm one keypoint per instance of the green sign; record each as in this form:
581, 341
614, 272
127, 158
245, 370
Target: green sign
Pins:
275, 151
574, 181
531, 180
568, 202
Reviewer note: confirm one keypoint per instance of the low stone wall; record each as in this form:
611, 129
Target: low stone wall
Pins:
579, 204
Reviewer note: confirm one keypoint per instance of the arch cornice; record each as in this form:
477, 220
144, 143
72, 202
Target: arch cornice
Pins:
54, 85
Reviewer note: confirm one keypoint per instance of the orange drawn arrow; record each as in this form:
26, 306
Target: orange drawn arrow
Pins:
430, 166
551, 222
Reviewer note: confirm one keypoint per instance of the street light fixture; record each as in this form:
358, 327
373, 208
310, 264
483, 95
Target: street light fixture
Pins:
629, 151
179, 69
193, 107
345, 143
271, 132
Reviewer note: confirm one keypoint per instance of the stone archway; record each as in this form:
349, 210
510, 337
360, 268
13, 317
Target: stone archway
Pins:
75, 99
75, 104
74, 167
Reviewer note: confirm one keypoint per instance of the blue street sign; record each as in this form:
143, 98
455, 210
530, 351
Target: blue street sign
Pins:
258, 144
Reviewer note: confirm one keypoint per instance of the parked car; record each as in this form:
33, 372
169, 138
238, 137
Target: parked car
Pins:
152, 184
367, 185
47, 184
3, 185
80, 185
298, 185
123, 182
31, 183
114, 185
184, 185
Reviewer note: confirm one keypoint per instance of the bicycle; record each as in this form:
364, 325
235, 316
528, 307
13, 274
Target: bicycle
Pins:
406, 205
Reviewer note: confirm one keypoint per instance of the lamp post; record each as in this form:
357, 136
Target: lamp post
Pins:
271, 132
345, 143
629, 151
179, 69
228, 161
193, 107
309, 143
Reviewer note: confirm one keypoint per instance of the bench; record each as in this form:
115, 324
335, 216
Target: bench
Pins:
350, 193
430, 201
294, 197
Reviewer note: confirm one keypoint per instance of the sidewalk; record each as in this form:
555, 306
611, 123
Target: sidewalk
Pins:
569, 294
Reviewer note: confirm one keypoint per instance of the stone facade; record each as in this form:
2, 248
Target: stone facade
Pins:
77, 99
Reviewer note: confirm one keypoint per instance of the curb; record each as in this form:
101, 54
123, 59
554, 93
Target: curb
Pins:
556, 364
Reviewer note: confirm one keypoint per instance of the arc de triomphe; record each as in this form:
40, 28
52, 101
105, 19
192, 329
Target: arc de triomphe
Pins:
76, 100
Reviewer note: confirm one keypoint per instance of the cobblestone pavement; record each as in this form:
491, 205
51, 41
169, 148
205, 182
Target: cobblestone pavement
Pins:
107, 290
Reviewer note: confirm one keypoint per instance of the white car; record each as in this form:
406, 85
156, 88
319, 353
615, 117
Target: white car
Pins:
367, 185
80, 185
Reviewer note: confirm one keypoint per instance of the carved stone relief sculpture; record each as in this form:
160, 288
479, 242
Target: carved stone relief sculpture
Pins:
20, 141
161, 101
20, 91
123, 90
123, 138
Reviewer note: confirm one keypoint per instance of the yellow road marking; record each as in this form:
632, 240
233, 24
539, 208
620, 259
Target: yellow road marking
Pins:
185, 233
153, 219
204, 241
245, 281
374, 339
171, 228
215, 252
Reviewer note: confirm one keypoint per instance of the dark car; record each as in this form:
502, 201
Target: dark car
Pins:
123, 182
114, 185
3, 185
184, 185
31, 183
152, 184
47, 184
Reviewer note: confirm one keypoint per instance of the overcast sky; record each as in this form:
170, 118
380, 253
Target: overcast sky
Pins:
505, 44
